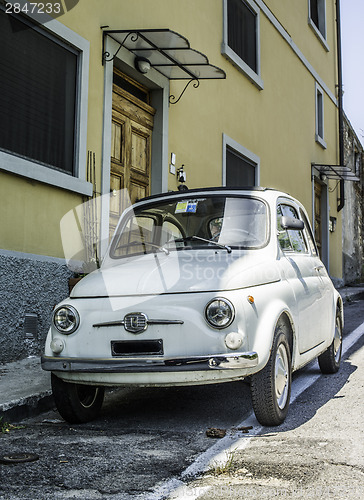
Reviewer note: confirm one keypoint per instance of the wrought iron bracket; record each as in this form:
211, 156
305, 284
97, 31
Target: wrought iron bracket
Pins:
173, 99
106, 56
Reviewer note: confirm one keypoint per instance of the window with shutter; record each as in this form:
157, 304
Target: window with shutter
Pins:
38, 81
241, 42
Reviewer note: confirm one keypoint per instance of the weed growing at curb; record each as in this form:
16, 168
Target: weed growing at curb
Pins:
6, 427
225, 467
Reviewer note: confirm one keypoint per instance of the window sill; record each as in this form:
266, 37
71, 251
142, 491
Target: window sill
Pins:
320, 141
242, 66
319, 35
34, 171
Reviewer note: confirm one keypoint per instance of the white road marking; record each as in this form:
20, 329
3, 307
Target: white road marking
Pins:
219, 452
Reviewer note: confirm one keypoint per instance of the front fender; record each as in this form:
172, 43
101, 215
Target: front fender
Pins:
264, 333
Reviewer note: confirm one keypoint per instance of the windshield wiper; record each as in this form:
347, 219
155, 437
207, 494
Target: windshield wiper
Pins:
190, 238
158, 247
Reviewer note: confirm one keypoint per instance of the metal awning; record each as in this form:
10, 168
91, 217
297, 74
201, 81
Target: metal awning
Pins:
338, 172
168, 52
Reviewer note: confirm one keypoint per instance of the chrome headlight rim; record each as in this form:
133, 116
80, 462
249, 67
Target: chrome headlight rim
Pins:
75, 322
231, 308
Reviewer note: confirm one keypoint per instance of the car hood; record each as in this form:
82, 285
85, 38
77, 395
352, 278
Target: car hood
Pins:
182, 271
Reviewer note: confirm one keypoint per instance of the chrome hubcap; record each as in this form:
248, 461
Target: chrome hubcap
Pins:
281, 376
87, 395
337, 340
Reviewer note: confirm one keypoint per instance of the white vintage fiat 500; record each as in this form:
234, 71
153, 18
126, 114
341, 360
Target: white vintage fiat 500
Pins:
198, 287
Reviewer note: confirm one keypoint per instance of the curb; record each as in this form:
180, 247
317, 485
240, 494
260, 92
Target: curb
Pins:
349, 296
30, 406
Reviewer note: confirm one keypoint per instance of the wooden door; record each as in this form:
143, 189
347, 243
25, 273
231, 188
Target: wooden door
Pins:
318, 216
131, 138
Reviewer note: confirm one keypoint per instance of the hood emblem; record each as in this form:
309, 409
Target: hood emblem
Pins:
135, 322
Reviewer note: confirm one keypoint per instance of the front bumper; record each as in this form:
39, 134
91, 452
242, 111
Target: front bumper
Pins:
237, 360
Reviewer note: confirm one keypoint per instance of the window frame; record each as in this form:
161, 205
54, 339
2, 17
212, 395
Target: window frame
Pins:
321, 36
239, 150
320, 116
31, 169
254, 77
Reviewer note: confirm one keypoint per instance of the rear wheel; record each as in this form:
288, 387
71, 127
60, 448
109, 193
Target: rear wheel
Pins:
77, 403
329, 361
271, 387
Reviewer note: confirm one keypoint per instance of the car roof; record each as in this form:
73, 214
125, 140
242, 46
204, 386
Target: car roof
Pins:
187, 192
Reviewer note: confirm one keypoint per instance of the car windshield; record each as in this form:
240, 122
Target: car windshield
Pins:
192, 223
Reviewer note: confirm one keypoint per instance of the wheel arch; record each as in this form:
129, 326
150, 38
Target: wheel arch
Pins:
276, 313
340, 308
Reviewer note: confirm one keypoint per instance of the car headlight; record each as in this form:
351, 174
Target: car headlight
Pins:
219, 313
66, 319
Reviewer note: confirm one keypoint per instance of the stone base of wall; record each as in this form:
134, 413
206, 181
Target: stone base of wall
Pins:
30, 285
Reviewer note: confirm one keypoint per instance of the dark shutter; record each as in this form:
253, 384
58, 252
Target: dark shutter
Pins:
239, 171
37, 95
320, 115
314, 12
242, 32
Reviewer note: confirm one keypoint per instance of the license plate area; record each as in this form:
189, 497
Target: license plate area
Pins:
137, 347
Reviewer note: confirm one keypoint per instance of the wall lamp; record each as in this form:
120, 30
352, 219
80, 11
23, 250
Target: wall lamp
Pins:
142, 64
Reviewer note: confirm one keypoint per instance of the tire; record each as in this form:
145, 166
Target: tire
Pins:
329, 361
271, 387
77, 403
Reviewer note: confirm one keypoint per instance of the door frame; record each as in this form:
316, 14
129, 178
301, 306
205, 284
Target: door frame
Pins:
159, 94
324, 256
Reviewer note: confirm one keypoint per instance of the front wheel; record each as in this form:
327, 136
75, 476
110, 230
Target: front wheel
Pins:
77, 403
329, 361
271, 387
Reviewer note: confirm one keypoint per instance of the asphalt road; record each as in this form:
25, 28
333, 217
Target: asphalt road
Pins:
150, 443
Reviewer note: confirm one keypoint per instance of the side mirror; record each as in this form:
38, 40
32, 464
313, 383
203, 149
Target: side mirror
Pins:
292, 223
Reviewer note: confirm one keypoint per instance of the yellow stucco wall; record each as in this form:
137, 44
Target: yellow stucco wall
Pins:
277, 124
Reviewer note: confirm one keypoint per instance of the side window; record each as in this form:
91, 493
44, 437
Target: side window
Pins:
289, 240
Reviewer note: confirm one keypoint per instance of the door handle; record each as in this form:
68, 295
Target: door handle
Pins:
318, 268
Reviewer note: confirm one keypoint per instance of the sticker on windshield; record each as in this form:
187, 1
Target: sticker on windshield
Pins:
184, 207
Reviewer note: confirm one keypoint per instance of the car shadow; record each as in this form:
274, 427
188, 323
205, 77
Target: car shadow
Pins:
317, 395
190, 408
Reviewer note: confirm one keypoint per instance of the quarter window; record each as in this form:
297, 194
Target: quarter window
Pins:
309, 235
289, 240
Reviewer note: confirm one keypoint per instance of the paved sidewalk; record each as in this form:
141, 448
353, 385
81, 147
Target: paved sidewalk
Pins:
25, 388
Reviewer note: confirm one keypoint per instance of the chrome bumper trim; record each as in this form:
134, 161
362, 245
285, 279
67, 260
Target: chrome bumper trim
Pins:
148, 321
237, 360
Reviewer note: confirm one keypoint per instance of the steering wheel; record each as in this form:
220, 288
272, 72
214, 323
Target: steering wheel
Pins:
237, 235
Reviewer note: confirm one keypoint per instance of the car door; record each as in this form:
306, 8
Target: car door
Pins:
300, 269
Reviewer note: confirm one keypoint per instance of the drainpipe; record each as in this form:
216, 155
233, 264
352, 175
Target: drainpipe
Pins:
340, 104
